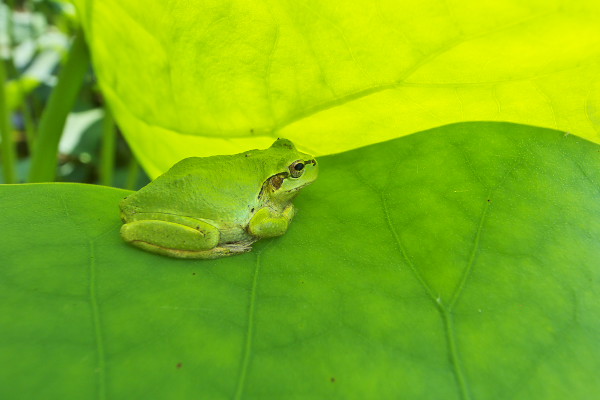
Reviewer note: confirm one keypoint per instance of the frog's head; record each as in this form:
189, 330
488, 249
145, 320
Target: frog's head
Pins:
292, 170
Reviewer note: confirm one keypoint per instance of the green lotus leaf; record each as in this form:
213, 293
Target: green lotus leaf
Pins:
194, 79
456, 263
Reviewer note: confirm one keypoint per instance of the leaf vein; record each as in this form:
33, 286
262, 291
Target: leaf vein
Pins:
249, 334
472, 256
470, 264
268, 73
401, 80
457, 368
98, 336
402, 251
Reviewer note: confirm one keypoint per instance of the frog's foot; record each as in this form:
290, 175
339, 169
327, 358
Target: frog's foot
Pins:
267, 223
173, 239
223, 250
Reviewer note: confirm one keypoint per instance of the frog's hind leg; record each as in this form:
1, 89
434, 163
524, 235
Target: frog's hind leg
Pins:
173, 239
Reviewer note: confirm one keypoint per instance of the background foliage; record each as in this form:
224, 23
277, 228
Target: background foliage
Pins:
35, 38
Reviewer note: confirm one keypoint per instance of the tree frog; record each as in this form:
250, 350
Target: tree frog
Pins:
211, 207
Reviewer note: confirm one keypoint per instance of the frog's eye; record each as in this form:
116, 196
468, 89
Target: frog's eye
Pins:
297, 169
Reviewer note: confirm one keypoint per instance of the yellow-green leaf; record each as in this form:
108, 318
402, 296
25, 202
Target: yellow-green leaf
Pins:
195, 78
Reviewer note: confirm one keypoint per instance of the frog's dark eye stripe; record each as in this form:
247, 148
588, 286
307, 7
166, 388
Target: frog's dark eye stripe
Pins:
277, 180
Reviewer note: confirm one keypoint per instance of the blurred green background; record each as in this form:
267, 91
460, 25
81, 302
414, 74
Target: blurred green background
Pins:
35, 38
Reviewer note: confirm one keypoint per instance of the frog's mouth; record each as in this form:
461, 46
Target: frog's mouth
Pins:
297, 188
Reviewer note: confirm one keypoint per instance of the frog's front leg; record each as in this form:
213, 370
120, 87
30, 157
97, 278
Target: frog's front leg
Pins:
269, 223
173, 235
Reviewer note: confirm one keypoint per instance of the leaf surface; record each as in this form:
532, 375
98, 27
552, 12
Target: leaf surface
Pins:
185, 79
456, 263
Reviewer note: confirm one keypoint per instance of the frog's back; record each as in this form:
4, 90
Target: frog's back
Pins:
204, 187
